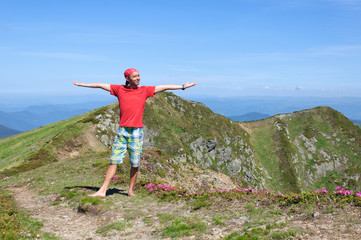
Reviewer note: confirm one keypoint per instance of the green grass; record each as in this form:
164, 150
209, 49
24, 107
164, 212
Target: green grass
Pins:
218, 220
16, 149
265, 153
118, 226
283, 234
184, 227
15, 223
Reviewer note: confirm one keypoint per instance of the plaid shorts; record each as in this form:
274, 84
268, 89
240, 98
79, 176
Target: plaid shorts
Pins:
129, 140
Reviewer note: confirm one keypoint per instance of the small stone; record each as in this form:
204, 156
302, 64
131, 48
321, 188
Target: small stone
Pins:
315, 214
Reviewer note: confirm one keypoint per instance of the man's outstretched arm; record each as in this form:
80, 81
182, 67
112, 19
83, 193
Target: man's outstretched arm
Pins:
162, 88
104, 86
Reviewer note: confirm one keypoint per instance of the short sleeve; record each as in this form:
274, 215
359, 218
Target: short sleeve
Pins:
114, 89
150, 91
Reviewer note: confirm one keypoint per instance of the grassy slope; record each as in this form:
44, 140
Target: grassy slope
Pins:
44, 142
332, 132
18, 148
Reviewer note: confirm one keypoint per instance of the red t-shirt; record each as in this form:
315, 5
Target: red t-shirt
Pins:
131, 103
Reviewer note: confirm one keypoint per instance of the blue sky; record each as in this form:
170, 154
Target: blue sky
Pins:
231, 47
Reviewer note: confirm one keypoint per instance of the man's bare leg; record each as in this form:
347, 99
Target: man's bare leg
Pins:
133, 177
108, 177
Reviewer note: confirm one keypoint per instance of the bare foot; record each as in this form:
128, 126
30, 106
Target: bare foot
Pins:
131, 194
97, 195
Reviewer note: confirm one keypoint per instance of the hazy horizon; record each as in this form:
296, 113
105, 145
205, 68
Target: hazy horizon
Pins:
227, 106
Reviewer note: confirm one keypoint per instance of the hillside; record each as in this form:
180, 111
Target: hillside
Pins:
313, 148
213, 173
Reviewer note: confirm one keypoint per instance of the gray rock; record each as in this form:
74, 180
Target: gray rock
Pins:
211, 145
315, 214
234, 166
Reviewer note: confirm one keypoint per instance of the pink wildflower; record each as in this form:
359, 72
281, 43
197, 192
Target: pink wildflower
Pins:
296, 197
324, 191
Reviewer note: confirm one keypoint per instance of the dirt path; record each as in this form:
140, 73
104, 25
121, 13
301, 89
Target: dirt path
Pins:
63, 222
68, 223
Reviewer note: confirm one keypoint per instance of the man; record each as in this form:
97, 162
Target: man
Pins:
129, 138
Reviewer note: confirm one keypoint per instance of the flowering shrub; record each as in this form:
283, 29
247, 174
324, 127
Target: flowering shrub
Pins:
172, 193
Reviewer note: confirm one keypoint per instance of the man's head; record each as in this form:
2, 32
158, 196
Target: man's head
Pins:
132, 77
129, 71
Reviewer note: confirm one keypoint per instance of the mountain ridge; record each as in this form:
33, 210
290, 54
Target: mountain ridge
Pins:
189, 132
202, 175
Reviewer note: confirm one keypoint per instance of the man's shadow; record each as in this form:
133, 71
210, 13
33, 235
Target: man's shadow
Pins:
108, 193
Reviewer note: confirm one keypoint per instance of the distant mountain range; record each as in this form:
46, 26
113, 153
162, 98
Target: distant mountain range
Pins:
238, 106
36, 116
253, 116
7, 132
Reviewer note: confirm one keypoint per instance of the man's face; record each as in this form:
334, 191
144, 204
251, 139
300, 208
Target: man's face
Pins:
134, 79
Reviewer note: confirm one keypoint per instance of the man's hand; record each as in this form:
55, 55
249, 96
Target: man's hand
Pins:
79, 84
188, 85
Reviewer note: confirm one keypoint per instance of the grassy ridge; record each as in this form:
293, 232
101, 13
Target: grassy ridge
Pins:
296, 148
49, 139
18, 148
